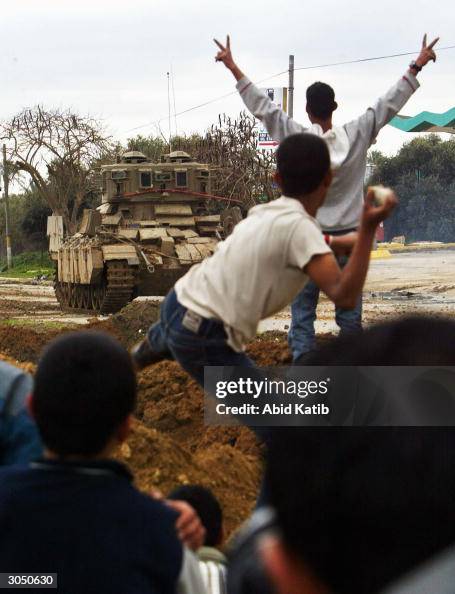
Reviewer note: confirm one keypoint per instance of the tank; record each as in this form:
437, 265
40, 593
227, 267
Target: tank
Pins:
155, 221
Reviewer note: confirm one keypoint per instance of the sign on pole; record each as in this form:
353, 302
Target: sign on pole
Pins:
279, 95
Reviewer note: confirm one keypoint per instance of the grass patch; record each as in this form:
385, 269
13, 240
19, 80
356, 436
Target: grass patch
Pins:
29, 265
38, 325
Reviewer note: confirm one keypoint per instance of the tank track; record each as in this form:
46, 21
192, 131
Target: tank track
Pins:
109, 296
121, 279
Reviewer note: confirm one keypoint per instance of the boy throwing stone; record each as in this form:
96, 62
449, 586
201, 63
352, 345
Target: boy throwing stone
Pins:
215, 308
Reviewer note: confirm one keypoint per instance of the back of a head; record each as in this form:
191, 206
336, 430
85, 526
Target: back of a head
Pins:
208, 509
410, 341
320, 98
363, 507
85, 386
303, 161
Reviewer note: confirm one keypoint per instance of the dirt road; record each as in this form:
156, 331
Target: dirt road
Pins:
422, 282
404, 284
33, 303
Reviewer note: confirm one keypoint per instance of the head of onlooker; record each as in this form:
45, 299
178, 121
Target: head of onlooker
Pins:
84, 395
303, 169
83, 398
19, 438
425, 398
212, 562
414, 340
207, 507
358, 509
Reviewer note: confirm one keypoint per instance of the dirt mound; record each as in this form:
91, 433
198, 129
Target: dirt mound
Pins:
172, 402
23, 343
170, 444
270, 349
160, 462
131, 323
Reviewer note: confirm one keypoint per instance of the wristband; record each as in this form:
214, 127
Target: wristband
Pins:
328, 239
414, 66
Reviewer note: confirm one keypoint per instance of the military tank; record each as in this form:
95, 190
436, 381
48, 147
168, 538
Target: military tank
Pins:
154, 222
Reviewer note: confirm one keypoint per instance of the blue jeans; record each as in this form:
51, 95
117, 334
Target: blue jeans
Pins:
301, 334
193, 350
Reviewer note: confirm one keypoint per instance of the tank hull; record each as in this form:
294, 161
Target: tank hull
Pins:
159, 282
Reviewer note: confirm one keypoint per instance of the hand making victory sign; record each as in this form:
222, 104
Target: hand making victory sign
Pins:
225, 56
427, 54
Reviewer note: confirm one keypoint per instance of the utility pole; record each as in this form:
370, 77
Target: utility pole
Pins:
169, 111
291, 87
9, 262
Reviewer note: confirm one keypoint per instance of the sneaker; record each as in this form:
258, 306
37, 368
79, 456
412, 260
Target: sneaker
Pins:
143, 355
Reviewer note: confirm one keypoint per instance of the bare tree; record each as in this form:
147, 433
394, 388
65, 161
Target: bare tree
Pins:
56, 148
230, 147
240, 170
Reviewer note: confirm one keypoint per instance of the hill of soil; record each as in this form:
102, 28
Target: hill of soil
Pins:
169, 444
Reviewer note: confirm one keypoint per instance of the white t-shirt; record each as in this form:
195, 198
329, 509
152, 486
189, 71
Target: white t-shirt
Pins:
256, 271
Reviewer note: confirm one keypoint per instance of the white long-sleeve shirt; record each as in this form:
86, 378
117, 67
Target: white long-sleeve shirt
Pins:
348, 146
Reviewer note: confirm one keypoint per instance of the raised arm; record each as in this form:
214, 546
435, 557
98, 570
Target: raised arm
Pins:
276, 121
344, 286
386, 107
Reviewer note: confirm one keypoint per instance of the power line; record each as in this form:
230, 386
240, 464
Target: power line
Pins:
447, 47
313, 67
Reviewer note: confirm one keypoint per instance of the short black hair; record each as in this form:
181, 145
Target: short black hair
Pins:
362, 505
207, 507
320, 99
303, 161
85, 386
413, 340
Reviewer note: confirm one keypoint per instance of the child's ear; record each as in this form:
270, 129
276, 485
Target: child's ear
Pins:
288, 575
124, 429
277, 178
328, 178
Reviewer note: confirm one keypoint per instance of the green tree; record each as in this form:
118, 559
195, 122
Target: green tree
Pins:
423, 176
28, 222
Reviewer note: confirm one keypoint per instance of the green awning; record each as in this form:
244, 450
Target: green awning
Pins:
426, 121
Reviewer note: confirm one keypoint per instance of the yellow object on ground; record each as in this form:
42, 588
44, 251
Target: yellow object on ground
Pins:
380, 253
418, 246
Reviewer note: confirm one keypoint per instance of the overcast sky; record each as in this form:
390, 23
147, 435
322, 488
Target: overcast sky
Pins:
109, 58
